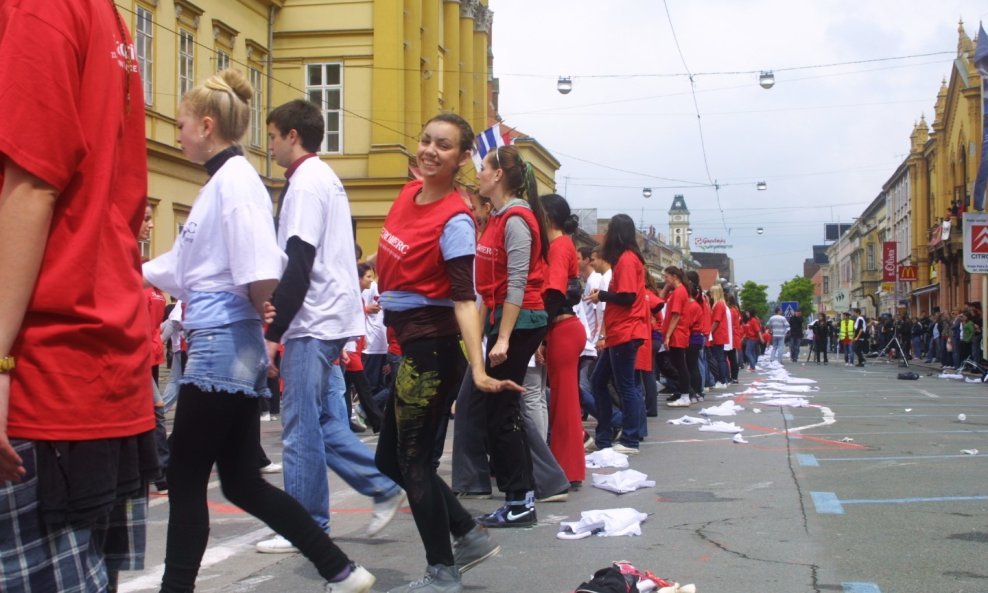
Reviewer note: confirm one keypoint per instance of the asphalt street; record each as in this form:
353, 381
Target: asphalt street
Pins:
874, 486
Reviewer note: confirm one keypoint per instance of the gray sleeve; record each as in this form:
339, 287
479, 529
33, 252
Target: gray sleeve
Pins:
518, 244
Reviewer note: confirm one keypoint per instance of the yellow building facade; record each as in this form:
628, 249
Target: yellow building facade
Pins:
379, 69
943, 163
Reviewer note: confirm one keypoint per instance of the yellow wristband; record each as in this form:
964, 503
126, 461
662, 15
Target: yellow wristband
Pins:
7, 364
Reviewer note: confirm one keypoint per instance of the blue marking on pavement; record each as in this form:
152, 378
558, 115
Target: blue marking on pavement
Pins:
860, 588
787, 416
909, 500
807, 460
827, 503
900, 458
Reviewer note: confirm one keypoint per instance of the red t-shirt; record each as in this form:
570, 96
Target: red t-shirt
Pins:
705, 317
718, 315
156, 314
563, 264
692, 316
83, 361
643, 357
621, 323
736, 322
676, 303
753, 329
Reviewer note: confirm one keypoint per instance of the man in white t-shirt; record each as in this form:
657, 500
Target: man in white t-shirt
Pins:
597, 276
318, 308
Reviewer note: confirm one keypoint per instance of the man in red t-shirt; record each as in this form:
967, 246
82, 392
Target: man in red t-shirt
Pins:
75, 396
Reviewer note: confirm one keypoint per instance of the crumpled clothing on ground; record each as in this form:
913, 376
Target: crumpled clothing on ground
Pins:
720, 426
728, 408
687, 421
607, 458
622, 482
617, 522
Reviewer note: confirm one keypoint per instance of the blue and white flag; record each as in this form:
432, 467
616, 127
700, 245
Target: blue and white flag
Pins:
486, 141
981, 62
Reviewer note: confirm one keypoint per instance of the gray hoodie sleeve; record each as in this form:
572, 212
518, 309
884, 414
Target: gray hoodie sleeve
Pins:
518, 244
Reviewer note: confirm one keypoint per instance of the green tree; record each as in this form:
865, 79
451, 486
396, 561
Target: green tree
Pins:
801, 290
755, 296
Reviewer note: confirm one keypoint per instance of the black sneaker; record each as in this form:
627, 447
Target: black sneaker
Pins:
509, 516
672, 397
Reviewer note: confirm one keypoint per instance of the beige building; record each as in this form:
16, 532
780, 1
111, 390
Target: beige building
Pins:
378, 69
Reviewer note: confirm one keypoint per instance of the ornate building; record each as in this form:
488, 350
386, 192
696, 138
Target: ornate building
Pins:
679, 224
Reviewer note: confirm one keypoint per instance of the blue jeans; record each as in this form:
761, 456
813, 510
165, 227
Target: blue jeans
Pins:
317, 431
794, 344
751, 353
777, 343
587, 401
718, 364
618, 362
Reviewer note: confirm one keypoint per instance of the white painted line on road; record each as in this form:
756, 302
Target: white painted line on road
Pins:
928, 394
214, 555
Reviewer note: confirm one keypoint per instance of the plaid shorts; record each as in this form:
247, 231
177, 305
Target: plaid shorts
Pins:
34, 558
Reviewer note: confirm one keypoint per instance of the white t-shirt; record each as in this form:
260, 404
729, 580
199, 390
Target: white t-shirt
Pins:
728, 319
377, 334
587, 313
228, 240
316, 211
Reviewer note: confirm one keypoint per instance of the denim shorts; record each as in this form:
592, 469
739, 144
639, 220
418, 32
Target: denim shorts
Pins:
229, 358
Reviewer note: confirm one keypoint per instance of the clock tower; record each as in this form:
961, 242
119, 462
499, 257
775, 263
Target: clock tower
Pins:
679, 224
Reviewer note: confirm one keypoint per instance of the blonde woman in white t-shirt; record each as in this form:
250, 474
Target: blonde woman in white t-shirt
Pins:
225, 264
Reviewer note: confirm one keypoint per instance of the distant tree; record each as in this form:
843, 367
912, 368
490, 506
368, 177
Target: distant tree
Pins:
755, 296
799, 289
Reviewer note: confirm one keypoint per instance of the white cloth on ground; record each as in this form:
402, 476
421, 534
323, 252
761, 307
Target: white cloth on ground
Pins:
721, 426
792, 402
622, 482
687, 421
728, 408
607, 458
616, 522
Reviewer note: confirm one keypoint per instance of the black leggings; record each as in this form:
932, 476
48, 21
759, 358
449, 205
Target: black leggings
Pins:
224, 428
511, 457
358, 381
677, 356
732, 359
427, 379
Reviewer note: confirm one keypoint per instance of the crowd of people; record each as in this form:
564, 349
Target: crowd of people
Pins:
478, 300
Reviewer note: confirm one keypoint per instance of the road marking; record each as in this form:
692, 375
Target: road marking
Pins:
896, 458
215, 554
928, 394
827, 503
807, 460
860, 588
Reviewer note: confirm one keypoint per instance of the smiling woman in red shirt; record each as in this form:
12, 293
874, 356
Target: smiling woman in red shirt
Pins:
625, 330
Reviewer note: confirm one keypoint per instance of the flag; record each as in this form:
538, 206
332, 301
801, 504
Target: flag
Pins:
981, 62
486, 141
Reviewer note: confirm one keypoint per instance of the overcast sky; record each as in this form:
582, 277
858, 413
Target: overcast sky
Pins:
824, 139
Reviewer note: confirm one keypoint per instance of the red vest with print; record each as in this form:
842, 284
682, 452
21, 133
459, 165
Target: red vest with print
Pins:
408, 255
492, 261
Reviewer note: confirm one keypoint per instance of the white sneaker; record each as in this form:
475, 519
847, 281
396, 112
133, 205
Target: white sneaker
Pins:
682, 402
619, 448
279, 545
271, 468
719, 385
384, 512
358, 581
266, 417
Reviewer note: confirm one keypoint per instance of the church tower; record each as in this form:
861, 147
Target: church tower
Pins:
679, 224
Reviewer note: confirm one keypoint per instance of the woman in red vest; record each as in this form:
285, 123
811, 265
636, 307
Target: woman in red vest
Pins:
511, 256
677, 334
565, 340
625, 330
425, 275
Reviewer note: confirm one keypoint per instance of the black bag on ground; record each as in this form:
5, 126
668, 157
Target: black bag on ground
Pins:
607, 580
908, 376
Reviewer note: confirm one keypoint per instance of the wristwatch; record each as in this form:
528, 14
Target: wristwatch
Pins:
7, 364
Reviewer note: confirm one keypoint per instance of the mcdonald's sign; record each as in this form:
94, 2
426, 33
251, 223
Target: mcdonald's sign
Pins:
908, 274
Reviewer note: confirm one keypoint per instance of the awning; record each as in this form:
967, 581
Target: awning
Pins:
926, 290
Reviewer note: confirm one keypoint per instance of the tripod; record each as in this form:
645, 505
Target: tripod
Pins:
898, 348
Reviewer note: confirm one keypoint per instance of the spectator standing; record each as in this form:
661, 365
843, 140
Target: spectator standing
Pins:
795, 335
778, 325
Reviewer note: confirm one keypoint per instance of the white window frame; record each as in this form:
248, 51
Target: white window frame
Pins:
222, 59
186, 58
256, 107
144, 46
319, 93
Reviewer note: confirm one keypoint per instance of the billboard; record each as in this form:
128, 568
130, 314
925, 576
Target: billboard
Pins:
833, 231
890, 262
